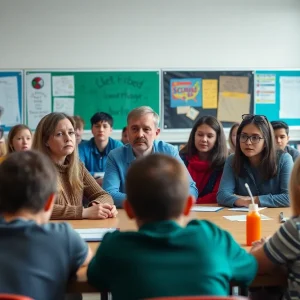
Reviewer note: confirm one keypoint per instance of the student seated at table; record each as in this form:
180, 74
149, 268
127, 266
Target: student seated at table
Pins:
165, 257
142, 129
79, 127
19, 138
204, 156
55, 137
232, 137
281, 132
37, 258
94, 152
282, 249
257, 163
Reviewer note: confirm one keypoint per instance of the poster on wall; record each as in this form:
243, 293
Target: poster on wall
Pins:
265, 88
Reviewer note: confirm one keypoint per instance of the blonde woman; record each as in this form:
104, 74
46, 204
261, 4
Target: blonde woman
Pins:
55, 137
19, 138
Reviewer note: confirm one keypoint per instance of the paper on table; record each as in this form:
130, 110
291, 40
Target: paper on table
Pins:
94, 234
232, 106
206, 208
242, 218
243, 208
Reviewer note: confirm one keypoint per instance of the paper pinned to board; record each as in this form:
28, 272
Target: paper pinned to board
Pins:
242, 218
64, 105
209, 93
192, 113
239, 84
63, 86
182, 110
206, 208
232, 106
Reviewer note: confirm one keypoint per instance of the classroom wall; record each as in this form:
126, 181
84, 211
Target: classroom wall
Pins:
142, 34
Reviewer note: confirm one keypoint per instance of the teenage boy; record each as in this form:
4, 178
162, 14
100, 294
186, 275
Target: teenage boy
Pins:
281, 132
37, 258
94, 152
164, 257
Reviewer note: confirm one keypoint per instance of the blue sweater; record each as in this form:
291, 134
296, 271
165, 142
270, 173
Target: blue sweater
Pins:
272, 192
120, 159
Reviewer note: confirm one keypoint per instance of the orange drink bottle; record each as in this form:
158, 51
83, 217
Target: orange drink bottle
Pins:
253, 225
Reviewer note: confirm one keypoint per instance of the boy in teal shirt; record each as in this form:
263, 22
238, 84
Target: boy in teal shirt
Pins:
164, 257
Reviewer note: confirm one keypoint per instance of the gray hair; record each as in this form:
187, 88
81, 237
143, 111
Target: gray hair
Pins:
141, 111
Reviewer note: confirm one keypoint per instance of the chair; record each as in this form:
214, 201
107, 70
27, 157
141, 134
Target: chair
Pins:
199, 298
13, 297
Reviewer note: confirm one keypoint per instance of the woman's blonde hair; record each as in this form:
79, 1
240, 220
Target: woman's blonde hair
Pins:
3, 147
46, 129
12, 133
294, 188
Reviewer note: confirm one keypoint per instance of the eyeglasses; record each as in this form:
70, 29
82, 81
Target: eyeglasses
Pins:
257, 118
254, 139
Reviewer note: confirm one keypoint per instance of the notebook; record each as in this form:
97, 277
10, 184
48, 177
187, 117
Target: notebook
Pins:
94, 234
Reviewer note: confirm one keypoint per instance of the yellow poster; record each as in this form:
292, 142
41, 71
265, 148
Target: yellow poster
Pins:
209, 93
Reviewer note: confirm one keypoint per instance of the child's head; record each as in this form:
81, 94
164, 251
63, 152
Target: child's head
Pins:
79, 127
207, 137
294, 188
124, 138
255, 141
3, 148
19, 138
281, 132
102, 124
157, 189
28, 184
232, 136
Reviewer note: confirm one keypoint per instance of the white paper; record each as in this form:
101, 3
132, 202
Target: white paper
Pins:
65, 105
289, 97
94, 234
206, 208
244, 208
182, 110
63, 86
9, 100
38, 97
242, 218
265, 88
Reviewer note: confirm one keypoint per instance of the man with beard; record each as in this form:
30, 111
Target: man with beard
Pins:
142, 128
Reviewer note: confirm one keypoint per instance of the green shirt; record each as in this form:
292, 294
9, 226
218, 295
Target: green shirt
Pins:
164, 259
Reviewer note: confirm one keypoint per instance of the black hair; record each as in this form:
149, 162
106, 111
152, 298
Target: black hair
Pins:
280, 125
102, 117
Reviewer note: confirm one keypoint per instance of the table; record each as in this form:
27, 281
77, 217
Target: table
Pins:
237, 229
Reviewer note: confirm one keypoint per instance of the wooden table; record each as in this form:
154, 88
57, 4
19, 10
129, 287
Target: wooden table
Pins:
237, 229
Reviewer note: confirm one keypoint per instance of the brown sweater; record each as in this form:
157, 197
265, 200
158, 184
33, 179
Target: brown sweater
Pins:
68, 205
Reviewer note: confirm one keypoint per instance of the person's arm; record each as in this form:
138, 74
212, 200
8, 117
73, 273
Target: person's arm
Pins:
99, 268
66, 212
226, 193
282, 199
112, 181
211, 197
193, 188
281, 248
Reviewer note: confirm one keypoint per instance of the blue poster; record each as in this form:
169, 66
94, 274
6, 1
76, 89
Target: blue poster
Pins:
186, 92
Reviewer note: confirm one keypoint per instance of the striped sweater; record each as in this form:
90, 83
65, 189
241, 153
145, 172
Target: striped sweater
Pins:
68, 203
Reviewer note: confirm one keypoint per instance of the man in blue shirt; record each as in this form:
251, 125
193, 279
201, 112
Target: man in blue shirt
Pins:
142, 129
94, 152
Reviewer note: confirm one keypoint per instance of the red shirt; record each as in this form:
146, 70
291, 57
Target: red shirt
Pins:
200, 172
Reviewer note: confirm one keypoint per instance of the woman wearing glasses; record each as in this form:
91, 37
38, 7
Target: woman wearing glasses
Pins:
256, 162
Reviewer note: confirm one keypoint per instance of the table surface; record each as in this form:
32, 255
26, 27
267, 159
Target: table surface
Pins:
237, 229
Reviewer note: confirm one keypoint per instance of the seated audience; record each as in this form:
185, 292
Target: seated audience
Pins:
124, 138
19, 138
281, 132
257, 163
204, 156
3, 148
79, 127
94, 152
165, 257
282, 249
232, 137
55, 137
142, 128
37, 258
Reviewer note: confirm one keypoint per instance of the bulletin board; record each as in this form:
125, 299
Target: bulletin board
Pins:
188, 95
277, 95
86, 92
11, 96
